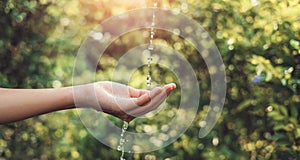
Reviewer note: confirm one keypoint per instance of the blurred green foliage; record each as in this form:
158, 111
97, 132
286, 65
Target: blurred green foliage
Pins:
259, 41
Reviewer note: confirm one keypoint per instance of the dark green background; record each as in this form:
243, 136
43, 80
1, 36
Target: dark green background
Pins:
39, 40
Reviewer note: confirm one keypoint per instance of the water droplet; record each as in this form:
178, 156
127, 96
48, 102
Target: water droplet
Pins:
125, 125
96, 35
148, 80
123, 140
119, 148
152, 24
151, 47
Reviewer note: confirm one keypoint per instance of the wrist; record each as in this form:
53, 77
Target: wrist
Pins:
67, 97
84, 96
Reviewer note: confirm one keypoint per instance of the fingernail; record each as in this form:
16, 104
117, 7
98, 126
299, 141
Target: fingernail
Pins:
173, 85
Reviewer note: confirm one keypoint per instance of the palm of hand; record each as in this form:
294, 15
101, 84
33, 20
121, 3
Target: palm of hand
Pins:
128, 103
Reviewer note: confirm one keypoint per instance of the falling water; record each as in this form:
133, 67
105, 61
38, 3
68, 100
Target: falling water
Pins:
121, 146
151, 45
123, 141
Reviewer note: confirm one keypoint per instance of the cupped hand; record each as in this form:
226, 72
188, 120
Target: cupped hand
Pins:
126, 102
120, 100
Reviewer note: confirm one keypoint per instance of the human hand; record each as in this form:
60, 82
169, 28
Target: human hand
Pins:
126, 102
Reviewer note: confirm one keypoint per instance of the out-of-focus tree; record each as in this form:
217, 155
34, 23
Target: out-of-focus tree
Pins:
259, 42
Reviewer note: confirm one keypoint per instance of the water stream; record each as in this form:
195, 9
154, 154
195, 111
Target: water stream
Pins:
122, 142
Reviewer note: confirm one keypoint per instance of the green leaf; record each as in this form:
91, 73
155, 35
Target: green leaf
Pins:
293, 120
278, 136
283, 82
244, 105
283, 143
283, 110
269, 76
289, 127
276, 116
294, 111
295, 44
278, 127
297, 133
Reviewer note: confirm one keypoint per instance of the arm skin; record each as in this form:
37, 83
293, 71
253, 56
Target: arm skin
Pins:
20, 104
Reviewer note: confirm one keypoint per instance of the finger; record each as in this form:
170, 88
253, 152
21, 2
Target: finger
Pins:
135, 93
146, 98
156, 101
169, 88
146, 109
126, 104
142, 100
158, 97
126, 91
148, 103
135, 103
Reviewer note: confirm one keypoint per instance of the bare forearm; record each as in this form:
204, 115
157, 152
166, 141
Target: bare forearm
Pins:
19, 104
